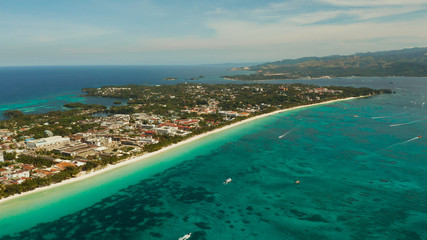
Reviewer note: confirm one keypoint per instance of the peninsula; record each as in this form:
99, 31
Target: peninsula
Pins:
43, 149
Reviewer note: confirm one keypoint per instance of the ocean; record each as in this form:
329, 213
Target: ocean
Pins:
43, 89
361, 167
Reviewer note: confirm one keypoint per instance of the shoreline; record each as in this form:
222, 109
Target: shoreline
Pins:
84, 175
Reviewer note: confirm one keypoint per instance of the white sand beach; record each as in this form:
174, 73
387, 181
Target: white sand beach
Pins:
83, 175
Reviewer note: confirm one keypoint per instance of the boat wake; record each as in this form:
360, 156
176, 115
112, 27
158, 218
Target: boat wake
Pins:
410, 140
286, 133
380, 117
289, 131
388, 116
402, 124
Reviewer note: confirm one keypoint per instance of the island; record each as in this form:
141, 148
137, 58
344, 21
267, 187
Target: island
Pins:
47, 148
407, 62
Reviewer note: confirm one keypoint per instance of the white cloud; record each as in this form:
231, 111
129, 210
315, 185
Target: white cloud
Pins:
354, 14
273, 11
373, 3
278, 30
365, 14
34, 30
315, 17
249, 41
306, 12
217, 11
44, 39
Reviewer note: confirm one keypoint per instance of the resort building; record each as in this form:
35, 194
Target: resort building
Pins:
20, 173
47, 142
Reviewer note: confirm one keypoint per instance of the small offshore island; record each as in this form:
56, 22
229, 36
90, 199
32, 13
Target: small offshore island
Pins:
43, 149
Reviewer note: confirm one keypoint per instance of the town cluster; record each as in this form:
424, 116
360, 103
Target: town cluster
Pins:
117, 135
191, 107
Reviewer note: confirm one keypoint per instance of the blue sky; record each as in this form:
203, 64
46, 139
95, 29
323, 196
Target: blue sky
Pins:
144, 32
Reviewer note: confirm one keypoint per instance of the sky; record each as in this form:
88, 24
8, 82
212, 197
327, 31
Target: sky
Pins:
180, 32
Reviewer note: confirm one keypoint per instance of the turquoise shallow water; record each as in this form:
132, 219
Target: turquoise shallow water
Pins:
55, 102
362, 175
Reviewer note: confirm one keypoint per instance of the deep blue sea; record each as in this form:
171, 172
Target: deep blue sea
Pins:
361, 166
42, 89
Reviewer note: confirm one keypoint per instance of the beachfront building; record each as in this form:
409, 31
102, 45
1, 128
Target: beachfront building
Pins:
233, 113
166, 130
20, 174
148, 139
75, 149
48, 142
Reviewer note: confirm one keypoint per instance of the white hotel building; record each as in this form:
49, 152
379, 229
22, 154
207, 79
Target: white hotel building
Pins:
47, 142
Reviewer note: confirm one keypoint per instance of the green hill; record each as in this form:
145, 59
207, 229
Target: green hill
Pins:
407, 62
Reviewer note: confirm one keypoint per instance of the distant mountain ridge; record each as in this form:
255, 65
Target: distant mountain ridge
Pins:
407, 62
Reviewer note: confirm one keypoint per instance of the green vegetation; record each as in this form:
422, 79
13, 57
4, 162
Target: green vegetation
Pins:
9, 155
170, 100
13, 113
167, 100
6, 163
59, 122
103, 162
408, 62
34, 183
204, 107
36, 161
68, 172
121, 110
57, 129
85, 106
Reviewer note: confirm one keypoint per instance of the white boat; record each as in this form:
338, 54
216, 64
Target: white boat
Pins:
185, 237
227, 181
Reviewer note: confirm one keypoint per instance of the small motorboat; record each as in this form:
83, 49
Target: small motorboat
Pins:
227, 181
185, 237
